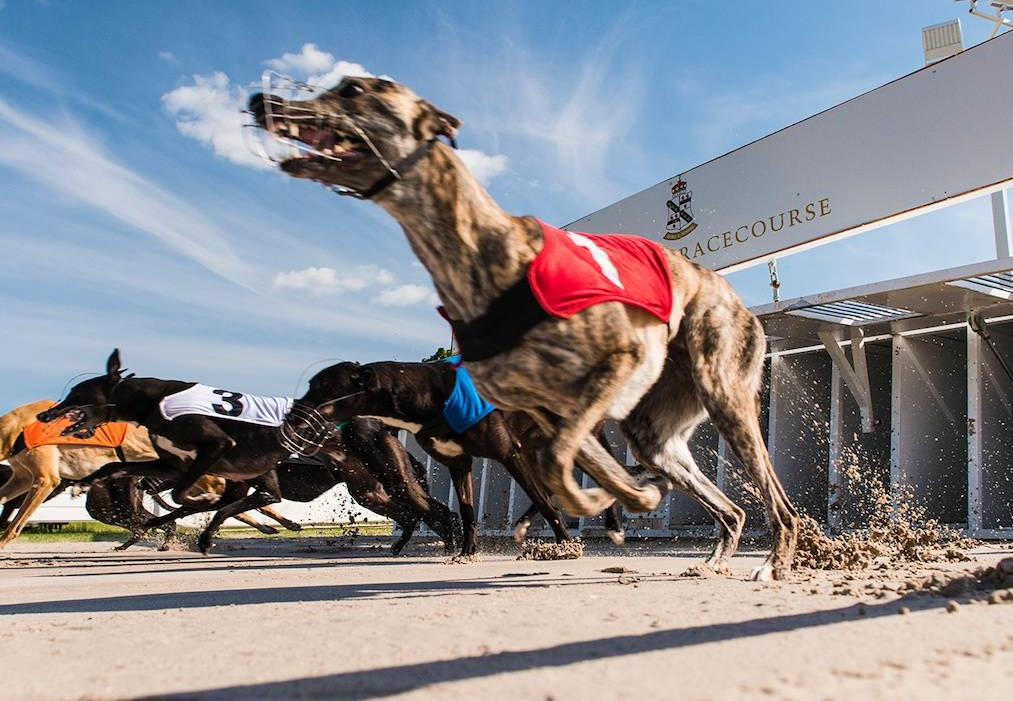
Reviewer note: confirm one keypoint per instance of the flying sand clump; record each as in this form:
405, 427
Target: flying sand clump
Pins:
539, 550
893, 528
897, 531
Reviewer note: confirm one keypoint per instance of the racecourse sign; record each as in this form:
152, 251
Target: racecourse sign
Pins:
927, 139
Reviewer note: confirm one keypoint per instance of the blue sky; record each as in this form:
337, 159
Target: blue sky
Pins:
133, 215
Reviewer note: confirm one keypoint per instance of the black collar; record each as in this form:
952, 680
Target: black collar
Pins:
503, 324
393, 174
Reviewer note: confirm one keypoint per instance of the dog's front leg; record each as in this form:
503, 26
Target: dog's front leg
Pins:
573, 434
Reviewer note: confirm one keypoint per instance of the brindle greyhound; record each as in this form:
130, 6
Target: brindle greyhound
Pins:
376, 139
412, 396
193, 445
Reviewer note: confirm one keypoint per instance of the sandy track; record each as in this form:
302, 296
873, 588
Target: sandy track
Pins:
298, 620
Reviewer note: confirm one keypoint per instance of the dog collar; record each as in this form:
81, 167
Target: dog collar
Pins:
394, 172
501, 326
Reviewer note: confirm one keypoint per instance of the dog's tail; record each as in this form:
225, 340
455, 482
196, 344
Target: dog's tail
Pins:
14, 421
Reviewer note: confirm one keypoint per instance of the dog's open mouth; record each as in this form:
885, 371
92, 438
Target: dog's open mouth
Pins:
317, 143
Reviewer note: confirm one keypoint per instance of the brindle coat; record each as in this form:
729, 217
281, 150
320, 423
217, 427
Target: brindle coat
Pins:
610, 360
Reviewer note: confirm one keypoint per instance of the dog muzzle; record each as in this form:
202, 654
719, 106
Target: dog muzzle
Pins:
304, 431
286, 106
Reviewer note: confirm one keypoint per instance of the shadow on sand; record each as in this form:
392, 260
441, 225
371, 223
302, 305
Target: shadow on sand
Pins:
399, 679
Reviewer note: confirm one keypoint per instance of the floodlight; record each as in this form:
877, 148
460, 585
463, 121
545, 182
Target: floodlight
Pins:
997, 19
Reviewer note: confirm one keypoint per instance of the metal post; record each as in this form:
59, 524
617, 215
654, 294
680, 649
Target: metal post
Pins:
975, 373
857, 377
836, 443
1000, 217
897, 413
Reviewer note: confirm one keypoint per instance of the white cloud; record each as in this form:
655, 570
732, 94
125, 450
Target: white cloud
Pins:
210, 108
317, 67
168, 57
210, 111
406, 295
308, 61
483, 166
329, 281
339, 70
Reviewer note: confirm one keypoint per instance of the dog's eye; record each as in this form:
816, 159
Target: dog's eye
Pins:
351, 90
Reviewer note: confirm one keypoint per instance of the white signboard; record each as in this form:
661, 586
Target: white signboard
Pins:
929, 138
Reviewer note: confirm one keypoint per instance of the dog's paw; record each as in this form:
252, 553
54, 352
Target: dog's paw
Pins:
763, 573
521, 531
617, 537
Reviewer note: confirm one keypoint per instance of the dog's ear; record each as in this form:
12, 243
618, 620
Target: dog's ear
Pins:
433, 122
113, 364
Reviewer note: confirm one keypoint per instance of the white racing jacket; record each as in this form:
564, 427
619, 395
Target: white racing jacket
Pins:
223, 404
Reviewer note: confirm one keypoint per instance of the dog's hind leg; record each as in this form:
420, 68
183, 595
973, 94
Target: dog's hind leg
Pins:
614, 524
132, 540
43, 464
726, 347
289, 525
460, 473
520, 464
523, 524
658, 431
9, 508
262, 527
19, 482
407, 531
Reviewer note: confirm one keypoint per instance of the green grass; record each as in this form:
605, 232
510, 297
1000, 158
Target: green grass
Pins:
75, 531
320, 531
89, 531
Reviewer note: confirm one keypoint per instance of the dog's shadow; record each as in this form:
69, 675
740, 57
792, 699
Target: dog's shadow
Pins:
400, 679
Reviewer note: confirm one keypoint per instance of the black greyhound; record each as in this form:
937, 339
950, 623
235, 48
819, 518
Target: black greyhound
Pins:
119, 501
115, 501
412, 396
244, 454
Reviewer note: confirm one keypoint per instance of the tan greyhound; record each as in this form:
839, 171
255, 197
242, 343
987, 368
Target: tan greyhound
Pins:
37, 472
376, 139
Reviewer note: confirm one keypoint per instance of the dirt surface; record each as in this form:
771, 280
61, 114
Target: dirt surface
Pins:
316, 619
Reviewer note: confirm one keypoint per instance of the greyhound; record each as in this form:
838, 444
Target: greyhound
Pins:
305, 479
117, 503
412, 396
40, 471
192, 445
660, 371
